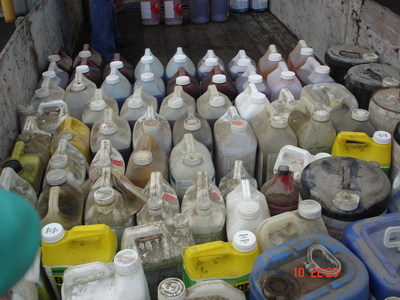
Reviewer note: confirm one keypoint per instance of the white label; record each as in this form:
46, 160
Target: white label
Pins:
169, 9
395, 160
271, 160
240, 4
259, 4
260, 169
146, 10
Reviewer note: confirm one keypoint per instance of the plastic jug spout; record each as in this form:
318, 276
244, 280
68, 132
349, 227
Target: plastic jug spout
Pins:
179, 51
53, 209
237, 170
46, 82
286, 96
156, 182
62, 147
246, 190
189, 142
78, 84
256, 96
106, 178
282, 66
202, 184
98, 94
242, 54
105, 152
147, 51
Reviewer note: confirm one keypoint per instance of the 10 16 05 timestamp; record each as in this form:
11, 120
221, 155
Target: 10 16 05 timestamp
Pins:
317, 272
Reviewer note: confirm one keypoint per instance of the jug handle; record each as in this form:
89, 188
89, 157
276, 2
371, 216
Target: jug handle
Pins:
52, 204
311, 265
353, 139
56, 103
208, 254
386, 238
87, 273
18, 150
87, 232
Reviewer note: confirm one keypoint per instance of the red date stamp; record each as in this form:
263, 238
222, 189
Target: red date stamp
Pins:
317, 272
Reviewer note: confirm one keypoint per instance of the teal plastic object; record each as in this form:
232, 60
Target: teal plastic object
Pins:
19, 238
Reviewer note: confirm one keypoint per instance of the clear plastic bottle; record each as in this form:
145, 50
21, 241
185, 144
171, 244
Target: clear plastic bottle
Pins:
239, 63
152, 84
156, 65
94, 110
204, 206
234, 139
48, 91
155, 125
179, 60
136, 105
250, 102
289, 81
173, 14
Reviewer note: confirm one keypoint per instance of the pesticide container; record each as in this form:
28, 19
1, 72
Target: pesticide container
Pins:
90, 53
199, 11
156, 64
107, 156
346, 119
126, 70
206, 66
189, 83
224, 83
48, 91
210, 54
152, 84
179, 60
239, 64
268, 62
250, 102
299, 55
289, 81
261, 84
94, 110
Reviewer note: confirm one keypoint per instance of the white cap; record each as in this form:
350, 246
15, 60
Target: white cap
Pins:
321, 115
147, 77
147, 59
306, 51
108, 128
279, 122
371, 57
171, 289
244, 241
52, 233
248, 210
117, 64
82, 69
180, 58
390, 81
112, 79
135, 102
309, 209
97, 105
151, 125
217, 101
244, 62
322, 69
42, 93
255, 78
346, 200
382, 137
238, 125
275, 57
192, 159
126, 262
192, 124
203, 204
142, 157
182, 80
288, 75
360, 114
155, 203
211, 61
58, 161
49, 74
85, 54
53, 58
218, 78
56, 177
180, 221
175, 102
104, 196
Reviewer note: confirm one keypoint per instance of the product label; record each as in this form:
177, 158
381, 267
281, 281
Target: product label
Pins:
146, 10
240, 4
56, 278
335, 227
117, 163
154, 8
395, 160
215, 196
169, 9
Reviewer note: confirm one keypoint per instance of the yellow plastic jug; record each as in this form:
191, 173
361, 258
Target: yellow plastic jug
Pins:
229, 261
28, 166
360, 145
76, 133
80, 245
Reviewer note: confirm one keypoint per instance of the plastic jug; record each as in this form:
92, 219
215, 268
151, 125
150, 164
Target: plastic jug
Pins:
79, 92
156, 65
224, 83
114, 128
246, 208
199, 11
360, 145
348, 190
11, 181
188, 83
283, 106
275, 75
136, 105
204, 206
51, 114
107, 156
258, 81
306, 69
214, 288
205, 67
394, 169
250, 102
187, 159
155, 125
210, 54
312, 266
281, 191
242, 78
71, 160
163, 203
233, 179
147, 158
116, 280
61, 75
240, 6
36, 141
108, 207
197, 126
28, 166
370, 240
267, 63
320, 75
239, 63
90, 71
159, 247
62, 61
175, 105
82, 244
152, 84
179, 60
77, 135
259, 5
299, 55
61, 201
47, 92
289, 81
126, 70
271, 137
116, 85
231, 132
90, 53
24, 110
289, 225
219, 11
151, 12
230, 261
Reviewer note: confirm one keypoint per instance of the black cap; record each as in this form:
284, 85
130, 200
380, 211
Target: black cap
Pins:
13, 164
281, 285
283, 170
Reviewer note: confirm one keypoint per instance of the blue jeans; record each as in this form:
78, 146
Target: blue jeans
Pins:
104, 28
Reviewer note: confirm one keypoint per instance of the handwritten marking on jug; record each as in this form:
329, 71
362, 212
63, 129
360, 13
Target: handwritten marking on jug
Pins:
317, 272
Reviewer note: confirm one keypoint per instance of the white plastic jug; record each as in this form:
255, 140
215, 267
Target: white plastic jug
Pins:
94, 110
187, 159
206, 67
51, 114
239, 63
152, 84
243, 78
175, 105
246, 208
154, 63
122, 279
289, 81
212, 105
250, 102
114, 128
136, 105
48, 91
210, 54
275, 75
269, 61
205, 208
180, 59
234, 139
155, 125
305, 70
258, 81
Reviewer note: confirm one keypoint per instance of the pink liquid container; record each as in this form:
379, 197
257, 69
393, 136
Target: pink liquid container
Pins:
173, 14
151, 14
299, 55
